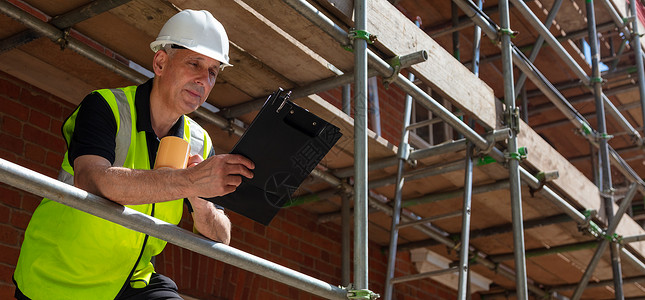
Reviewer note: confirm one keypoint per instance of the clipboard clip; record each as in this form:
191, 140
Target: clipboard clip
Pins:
284, 96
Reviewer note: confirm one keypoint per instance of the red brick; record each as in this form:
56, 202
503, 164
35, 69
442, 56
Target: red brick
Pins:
256, 240
292, 229
30, 202
259, 228
11, 144
6, 272
9, 89
40, 137
20, 218
276, 248
11, 126
8, 236
55, 127
53, 160
41, 103
9, 156
36, 167
7, 290
277, 235
10, 196
5, 213
34, 153
309, 250
39, 119
292, 254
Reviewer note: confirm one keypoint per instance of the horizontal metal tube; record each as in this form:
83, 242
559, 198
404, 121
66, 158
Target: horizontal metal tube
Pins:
58, 36
319, 86
66, 20
432, 170
594, 284
503, 184
219, 121
428, 102
35, 183
429, 122
454, 146
490, 231
537, 77
633, 238
446, 240
571, 211
430, 219
327, 25
547, 251
550, 39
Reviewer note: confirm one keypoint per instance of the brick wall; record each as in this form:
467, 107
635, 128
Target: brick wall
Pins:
30, 121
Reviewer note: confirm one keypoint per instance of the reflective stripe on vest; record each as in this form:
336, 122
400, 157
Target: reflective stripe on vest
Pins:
123, 137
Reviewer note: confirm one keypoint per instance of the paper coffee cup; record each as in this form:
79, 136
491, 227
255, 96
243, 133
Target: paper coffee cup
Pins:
173, 153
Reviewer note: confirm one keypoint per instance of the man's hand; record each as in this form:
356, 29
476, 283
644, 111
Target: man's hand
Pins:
217, 175
208, 220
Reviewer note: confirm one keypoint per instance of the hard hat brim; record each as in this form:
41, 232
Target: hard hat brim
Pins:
224, 61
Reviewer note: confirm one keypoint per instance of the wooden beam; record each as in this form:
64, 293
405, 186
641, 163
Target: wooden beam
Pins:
398, 35
304, 31
44, 76
573, 183
256, 34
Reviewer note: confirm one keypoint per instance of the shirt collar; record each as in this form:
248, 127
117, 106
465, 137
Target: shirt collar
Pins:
142, 105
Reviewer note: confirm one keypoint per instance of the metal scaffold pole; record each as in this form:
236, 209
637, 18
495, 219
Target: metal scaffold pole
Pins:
477, 42
396, 211
513, 121
606, 189
537, 46
638, 57
604, 243
360, 149
464, 267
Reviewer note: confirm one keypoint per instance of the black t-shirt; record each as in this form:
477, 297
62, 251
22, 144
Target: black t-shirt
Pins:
95, 128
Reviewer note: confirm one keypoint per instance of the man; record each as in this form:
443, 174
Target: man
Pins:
112, 141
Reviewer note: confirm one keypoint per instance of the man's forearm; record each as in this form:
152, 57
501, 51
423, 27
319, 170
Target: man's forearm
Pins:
210, 221
216, 176
129, 186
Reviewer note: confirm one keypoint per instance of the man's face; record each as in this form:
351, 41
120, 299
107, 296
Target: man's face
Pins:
185, 78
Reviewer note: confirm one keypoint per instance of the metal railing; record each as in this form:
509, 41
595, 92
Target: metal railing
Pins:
44, 186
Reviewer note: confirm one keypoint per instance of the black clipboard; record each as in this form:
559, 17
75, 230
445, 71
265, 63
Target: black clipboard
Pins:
286, 142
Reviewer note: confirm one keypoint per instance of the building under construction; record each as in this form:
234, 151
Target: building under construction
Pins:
490, 150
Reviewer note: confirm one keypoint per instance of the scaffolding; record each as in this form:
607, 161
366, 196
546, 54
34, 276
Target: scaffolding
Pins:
475, 144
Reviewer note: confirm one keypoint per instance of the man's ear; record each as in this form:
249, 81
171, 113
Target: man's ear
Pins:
159, 61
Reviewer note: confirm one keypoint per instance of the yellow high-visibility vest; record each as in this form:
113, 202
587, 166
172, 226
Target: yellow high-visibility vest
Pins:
70, 254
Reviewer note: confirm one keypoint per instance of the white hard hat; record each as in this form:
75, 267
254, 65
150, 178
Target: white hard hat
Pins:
196, 30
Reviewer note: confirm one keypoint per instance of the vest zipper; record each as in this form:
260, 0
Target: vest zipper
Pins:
145, 241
